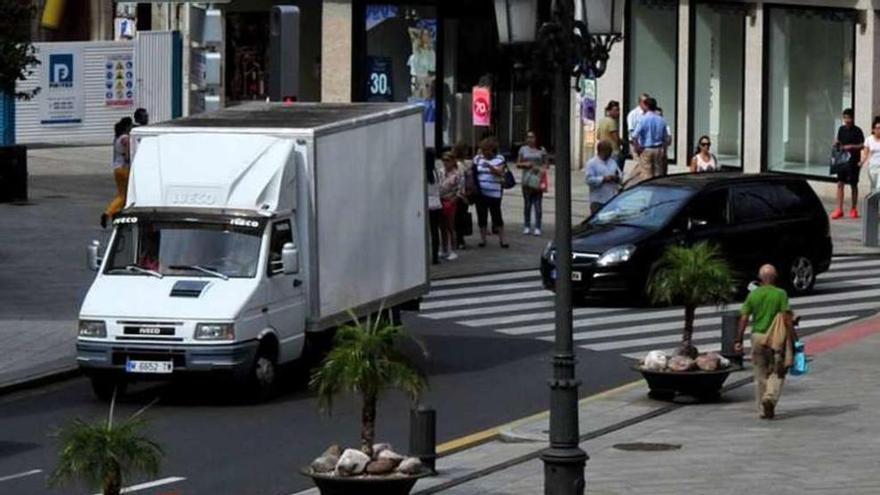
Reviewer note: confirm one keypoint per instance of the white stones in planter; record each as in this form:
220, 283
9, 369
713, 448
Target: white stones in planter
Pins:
659, 361
327, 461
352, 462
410, 465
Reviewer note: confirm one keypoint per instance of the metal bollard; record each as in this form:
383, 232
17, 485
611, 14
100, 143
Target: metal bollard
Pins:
729, 323
870, 218
423, 436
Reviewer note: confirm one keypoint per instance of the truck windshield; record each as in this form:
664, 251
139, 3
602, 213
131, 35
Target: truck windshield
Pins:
158, 248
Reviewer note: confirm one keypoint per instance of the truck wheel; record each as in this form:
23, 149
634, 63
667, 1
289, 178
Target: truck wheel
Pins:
262, 378
103, 385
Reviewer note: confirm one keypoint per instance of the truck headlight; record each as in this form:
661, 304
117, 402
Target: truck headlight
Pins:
215, 331
616, 255
92, 328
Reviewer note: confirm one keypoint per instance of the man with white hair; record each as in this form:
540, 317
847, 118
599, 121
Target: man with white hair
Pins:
764, 305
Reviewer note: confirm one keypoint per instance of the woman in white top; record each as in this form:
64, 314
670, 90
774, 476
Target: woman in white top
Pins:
871, 155
703, 160
121, 164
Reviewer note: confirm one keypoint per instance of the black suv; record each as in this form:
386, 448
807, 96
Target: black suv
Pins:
754, 218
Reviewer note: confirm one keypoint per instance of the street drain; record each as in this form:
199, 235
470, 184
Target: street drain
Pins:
647, 446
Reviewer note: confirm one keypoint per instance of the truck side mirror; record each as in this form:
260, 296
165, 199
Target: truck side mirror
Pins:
93, 259
289, 258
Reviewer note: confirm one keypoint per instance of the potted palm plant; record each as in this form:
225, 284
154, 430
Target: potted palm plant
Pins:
692, 276
366, 359
104, 454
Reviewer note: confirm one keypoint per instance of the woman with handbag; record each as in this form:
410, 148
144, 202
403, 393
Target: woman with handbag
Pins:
492, 175
464, 224
532, 160
450, 191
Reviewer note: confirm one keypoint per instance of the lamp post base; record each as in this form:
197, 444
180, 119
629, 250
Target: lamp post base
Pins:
564, 471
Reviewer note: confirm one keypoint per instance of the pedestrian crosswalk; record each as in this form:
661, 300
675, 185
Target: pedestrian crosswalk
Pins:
516, 305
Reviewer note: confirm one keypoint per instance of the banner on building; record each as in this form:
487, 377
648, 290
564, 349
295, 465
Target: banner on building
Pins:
481, 107
62, 94
119, 80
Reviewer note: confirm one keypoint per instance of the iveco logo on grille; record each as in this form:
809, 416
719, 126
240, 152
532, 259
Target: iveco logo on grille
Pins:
148, 331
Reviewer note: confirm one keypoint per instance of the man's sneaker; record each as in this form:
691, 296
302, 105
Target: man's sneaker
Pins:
768, 408
537, 232
451, 256
853, 213
837, 213
527, 231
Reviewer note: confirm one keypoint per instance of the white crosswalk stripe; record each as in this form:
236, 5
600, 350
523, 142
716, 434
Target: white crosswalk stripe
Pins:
516, 305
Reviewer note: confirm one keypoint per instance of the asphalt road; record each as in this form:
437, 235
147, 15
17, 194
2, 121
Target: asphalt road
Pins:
220, 446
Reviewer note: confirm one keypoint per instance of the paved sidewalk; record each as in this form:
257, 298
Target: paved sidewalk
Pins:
824, 440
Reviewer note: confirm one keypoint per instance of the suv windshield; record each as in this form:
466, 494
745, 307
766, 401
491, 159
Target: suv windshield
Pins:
157, 248
646, 206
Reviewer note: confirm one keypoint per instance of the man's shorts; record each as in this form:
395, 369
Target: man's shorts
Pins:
849, 175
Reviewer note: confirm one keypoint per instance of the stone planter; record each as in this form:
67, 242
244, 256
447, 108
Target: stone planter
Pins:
392, 484
702, 385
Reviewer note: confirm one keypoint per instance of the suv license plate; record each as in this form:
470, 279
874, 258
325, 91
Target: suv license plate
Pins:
575, 276
149, 366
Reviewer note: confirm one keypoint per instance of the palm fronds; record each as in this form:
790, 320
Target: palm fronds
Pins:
102, 454
692, 276
366, 360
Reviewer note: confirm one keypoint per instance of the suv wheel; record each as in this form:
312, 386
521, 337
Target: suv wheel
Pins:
801, 275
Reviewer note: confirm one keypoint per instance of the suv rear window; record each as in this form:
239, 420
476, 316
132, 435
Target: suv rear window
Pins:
768, 201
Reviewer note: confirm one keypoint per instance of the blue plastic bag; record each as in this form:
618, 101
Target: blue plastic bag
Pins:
800, 365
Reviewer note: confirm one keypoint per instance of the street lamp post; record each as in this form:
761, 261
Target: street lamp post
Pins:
572, 51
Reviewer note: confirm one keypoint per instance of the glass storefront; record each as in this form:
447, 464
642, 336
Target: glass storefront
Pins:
401, 57
652, 62
434, 53
717, 84
809, 67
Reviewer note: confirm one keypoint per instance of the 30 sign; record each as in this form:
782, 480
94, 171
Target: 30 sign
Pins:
379, 83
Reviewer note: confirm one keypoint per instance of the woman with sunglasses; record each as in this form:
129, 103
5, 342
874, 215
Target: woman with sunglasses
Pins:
704, 160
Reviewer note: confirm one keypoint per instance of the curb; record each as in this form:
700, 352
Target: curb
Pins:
39, 380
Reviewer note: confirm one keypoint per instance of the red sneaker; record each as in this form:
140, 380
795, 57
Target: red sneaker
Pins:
837, 213
853, 213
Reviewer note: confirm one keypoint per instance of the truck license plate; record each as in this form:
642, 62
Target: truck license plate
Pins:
575, 276
149, 366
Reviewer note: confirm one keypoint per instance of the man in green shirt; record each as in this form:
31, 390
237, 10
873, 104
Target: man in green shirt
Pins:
763, 305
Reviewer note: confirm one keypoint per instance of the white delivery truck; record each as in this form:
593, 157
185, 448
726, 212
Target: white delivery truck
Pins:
247, 230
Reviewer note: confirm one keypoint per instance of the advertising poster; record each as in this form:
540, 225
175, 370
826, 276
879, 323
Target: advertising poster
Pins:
119, 80
62, 95
422, 65
482, 106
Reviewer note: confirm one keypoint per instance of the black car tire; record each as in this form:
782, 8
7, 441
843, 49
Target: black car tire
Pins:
104, 384
259, 384
800, 275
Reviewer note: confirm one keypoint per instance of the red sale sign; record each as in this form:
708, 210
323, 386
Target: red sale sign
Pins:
482, 106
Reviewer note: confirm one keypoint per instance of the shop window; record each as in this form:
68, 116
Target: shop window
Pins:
652, 61
401, 62
718, 79
809, 57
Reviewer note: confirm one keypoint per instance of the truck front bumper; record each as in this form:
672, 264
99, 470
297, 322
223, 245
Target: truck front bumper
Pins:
236, 358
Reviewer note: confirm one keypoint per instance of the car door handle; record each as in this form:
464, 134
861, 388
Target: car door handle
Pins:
264, 310
297, 282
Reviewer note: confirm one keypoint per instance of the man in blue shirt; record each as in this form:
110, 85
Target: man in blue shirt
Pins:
650, 138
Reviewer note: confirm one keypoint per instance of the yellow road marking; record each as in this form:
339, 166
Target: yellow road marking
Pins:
480, 436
